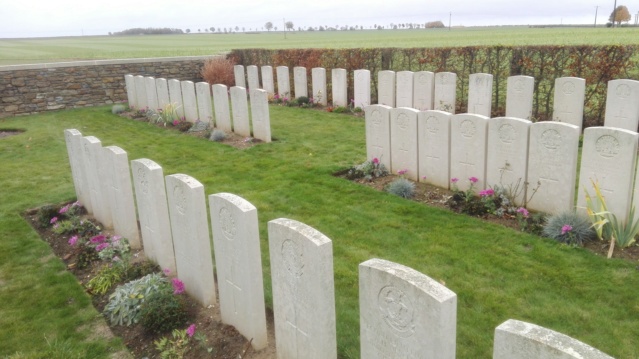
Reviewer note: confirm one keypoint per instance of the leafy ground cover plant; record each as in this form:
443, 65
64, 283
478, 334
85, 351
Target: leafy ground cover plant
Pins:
368, 170
124, 304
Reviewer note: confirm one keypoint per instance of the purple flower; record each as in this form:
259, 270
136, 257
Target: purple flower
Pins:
53, 220
98, 239
424, 177
64, 209
375, 160
523, 211
166, 271
101, 246
176, 122
115, 239
566, 228
76, 204
73, 240
402, 172
191, 330
473, 179
454, 179
178, 286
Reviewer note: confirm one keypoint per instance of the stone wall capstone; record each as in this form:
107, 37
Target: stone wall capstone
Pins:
29, 89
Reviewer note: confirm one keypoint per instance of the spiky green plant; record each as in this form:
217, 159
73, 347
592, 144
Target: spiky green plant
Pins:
570, 228
401, 187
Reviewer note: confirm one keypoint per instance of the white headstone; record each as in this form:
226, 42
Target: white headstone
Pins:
339, 86
515, 339
468, 134
240, 80
362, 90
303, 290
433, 137
480, 94
300, 81
222, 110
378, 137
70, 136
204, 107
150, 196
404, 81
192, 243
320, 95
386, 88
140, 92
162, 88
96, 169
608, 156
190, 101
403, 124
404, 313
283, 82
507, 156
622, 104
151, 93
253, 77
131, 96
552, 163
125, 221
445, 98
260, 115
519, 97
267, 80
569, 101
239, 105
175, 95
236, 237
423, 90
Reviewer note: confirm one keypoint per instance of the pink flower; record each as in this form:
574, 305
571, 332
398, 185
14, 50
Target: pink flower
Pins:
98, 239
402, 172
115, 239
178, 286
473, 179
454, 179
73, 240
76, 204
53, 220
523, 211
64, 209
190, 331
176, 122
375, 161
424, 177
566, 228
486, 192
166, 271
101, 246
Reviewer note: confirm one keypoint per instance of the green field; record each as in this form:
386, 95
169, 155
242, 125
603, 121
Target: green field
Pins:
25, 51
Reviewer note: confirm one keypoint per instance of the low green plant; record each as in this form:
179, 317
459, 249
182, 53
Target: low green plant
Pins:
531, 223
340, 109
107, 277
117, 109
218, 135
368, 170
124, 304
176, 347
303, 101
606, 223
163, 311
570, 228
45, 214
401, 187
467, 201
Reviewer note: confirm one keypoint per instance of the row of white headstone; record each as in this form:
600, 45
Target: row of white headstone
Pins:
425, 90
403, 313
515, 154
193, 103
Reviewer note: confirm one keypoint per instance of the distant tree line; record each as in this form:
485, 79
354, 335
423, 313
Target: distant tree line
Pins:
148, 31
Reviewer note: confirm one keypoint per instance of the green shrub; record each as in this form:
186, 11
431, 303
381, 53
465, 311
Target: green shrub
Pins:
87, 229
140, 269
368, 170
64, 227
117, 109
124, 304
340, 109
106, 278
163, 311
218, 135
569, 228
44, 215
303, 100
402, 187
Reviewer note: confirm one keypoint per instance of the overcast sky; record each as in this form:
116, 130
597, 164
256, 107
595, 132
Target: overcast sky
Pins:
40, 18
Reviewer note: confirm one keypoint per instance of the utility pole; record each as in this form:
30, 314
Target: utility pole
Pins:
596, 10
450, 18
614, 14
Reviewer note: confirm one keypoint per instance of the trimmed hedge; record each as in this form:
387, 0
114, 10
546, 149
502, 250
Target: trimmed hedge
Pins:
596, 64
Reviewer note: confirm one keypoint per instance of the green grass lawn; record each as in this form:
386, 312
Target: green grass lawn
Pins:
497, 273
39, 50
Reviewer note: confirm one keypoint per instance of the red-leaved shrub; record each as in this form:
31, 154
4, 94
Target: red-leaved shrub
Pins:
218, 70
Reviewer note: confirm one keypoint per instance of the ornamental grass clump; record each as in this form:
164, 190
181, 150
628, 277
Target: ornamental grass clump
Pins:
218, 135
402, 187
569, 228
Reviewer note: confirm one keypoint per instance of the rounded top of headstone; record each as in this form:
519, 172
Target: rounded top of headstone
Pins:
186, 179
307, 231
146, 163
236, 200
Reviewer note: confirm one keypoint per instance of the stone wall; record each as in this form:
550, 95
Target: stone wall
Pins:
28, 89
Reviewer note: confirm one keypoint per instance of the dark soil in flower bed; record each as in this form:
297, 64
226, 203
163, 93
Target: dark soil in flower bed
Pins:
226, 342
438, 197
